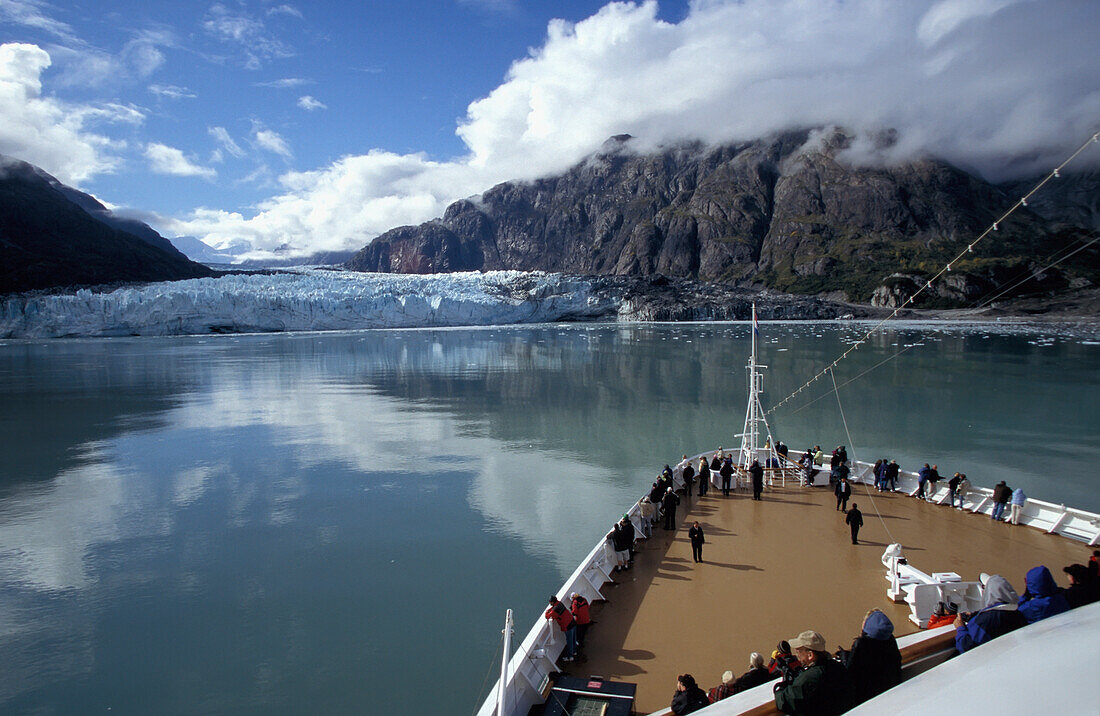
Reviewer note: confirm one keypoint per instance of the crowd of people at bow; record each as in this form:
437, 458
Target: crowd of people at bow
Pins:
1003, 611
810, 679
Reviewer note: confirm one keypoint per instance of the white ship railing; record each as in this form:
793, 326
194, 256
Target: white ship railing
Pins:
1070, 522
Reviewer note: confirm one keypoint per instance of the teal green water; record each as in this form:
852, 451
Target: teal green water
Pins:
337, 522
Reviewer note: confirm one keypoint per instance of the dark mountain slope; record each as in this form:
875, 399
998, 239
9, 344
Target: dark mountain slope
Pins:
53, 236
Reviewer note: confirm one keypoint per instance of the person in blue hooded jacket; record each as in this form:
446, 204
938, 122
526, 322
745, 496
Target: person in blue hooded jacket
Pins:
998, 615
1042, 598
874, 662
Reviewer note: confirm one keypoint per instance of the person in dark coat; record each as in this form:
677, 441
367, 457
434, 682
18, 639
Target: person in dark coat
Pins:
855, 521
757, 474
843, 491
922, 481
891, 476
997, 616
670, 501
629, 535
874, 662
695, 534
783, 663
688, 698
822, 687
781, 449
1083, 589
689, 477
726, 471
715, 462
580, 608
1042, 598
1001, 495
704, 476
756, 675
953, 487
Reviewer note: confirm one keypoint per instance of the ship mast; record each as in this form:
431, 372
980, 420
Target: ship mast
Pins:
754, 413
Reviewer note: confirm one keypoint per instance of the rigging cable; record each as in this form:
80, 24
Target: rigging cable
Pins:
1032, 274
482, 694
914, 345
928, 284
849, 434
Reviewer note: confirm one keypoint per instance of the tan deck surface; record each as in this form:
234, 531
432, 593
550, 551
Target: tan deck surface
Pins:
777, 567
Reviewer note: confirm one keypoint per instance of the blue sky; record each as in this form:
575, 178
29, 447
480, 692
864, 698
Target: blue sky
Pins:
300, 127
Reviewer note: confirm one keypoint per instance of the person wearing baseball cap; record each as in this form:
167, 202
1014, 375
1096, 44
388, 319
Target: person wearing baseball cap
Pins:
822, 687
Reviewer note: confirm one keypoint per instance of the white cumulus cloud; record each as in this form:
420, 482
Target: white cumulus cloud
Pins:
50, 133
995, 85
309, 103
169, 160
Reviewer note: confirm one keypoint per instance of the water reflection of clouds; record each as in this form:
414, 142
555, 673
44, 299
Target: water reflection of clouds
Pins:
548, 502
47, 536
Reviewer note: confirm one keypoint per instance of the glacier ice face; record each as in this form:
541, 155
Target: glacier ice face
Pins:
309, 299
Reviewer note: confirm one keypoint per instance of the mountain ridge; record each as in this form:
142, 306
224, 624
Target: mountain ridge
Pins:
788, 212
52, 236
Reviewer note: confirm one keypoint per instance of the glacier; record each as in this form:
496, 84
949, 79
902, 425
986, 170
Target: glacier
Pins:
306, 299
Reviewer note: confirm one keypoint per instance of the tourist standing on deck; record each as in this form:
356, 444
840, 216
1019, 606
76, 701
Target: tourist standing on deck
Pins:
618, 545
695, 534
891, 475
874, 662
877, 470
922, 481
670, 502
1018, 500
962, 489
629, 536
822, 687
649, 512
726, 471
855, 521
819, 457
807, 463
838, 472
580, 608
565, 621
953, 487
688, 698
1001, 495
757, 474
689, 477
843, 491
704, 476
998, 615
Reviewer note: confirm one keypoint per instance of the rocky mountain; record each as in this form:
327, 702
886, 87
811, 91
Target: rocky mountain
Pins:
52, 235
787, 213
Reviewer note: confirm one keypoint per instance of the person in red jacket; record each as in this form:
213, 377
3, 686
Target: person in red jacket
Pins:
561, 614
579, 606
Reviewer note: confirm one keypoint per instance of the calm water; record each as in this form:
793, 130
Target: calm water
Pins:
336, 522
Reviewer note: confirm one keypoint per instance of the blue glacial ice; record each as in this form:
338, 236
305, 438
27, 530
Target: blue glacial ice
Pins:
304, 300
